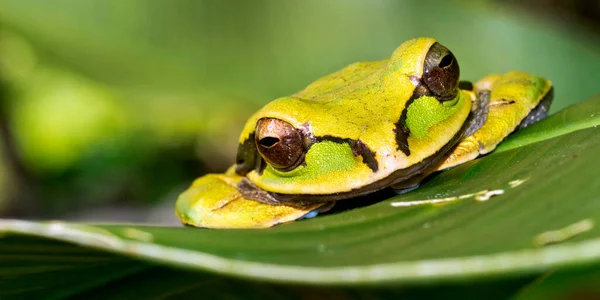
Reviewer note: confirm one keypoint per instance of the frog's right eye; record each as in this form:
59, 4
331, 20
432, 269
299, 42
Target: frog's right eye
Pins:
441, 72
279, 143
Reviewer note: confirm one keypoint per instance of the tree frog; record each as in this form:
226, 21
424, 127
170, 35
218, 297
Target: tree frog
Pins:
370, 126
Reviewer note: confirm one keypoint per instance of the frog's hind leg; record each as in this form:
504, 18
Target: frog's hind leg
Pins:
540, 111
517, 101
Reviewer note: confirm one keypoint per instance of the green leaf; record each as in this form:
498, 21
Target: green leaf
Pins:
545, 219
139, 280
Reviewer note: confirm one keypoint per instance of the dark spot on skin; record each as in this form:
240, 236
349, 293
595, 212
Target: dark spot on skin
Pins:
481, 146
466, 85
505, 102
520, 81
402, 132
367, 155
358, 149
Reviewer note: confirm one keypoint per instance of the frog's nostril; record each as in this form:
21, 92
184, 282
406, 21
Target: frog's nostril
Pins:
269, 141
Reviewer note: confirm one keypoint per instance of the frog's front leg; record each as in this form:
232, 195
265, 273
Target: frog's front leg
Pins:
214, 201
516, 100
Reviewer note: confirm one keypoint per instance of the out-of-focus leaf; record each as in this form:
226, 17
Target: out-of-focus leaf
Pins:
580, 283
245, 52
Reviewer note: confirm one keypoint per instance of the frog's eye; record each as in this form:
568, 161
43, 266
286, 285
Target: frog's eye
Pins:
279, 143
441, 72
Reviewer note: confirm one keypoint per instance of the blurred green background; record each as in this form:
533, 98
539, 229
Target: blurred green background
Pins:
109, 109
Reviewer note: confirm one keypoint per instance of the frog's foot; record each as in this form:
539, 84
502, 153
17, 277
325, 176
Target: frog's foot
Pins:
214, 201
313, 213
403, 190
540, 111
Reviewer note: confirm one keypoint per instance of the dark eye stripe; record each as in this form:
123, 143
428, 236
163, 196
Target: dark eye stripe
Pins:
358, 149
247, 157
402, 131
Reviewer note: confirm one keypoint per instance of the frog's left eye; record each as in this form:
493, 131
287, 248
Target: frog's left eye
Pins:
279, 143
441, 72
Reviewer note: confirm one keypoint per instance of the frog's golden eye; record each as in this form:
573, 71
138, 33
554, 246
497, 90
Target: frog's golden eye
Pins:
441, 72
279, 143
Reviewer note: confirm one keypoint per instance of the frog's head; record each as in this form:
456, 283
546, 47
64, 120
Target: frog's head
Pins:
360, 129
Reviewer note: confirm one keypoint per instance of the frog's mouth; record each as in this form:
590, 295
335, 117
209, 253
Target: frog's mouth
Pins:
403, 178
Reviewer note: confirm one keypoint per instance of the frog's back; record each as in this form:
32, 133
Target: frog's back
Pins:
345, 81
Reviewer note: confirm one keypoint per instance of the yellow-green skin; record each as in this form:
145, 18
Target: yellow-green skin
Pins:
361, 102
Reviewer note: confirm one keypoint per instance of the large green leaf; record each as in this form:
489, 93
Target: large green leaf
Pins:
547, 173
94, 275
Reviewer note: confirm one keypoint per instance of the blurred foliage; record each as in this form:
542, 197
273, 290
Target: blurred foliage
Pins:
128, 101
582, 13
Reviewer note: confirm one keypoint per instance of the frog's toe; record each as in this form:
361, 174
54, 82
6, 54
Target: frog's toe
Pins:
311, 214
214, 201
405, 190
315, 212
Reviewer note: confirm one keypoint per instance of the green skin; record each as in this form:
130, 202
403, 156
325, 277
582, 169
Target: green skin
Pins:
366, 127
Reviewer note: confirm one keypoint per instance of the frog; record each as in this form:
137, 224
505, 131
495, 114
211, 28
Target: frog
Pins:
372, 125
